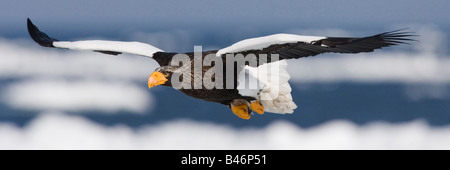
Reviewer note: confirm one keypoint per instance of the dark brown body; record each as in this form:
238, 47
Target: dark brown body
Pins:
218, 95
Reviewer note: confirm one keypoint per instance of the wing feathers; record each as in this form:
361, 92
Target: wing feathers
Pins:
38, 36
289, 47
264, 45
106, 47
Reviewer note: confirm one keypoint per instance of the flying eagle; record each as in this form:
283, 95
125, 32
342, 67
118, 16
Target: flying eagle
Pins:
273, 93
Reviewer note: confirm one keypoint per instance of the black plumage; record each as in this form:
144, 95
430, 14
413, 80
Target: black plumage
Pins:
335, 45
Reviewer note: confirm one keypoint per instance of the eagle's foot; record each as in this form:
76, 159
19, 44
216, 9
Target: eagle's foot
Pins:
240, 108
257, 107
241, 111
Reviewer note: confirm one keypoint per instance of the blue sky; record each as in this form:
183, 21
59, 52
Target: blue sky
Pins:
117, 16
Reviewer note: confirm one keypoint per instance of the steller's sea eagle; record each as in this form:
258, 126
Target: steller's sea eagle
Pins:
229, 80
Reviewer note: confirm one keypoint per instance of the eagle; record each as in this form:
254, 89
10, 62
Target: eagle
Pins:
247, 76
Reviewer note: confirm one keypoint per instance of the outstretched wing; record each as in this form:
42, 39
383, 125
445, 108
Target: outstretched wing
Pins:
106, 47
289, 46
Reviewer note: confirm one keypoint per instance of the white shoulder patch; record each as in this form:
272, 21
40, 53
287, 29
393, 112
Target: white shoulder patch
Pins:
263, 42
137, 48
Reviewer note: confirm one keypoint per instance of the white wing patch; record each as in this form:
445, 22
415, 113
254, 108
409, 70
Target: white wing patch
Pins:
137, 48
263, 42
268, 83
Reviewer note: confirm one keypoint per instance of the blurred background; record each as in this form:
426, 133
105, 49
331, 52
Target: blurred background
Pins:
395, 98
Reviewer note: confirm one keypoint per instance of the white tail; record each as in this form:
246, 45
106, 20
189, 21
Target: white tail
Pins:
273, 89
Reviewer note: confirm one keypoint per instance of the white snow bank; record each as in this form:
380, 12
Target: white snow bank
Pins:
60, 131
85, 95
380, 67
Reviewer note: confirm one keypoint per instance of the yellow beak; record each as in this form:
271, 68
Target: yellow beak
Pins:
156, 78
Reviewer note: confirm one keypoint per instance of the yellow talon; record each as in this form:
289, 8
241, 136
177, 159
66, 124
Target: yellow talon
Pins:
241, 111
240, 108
257, 107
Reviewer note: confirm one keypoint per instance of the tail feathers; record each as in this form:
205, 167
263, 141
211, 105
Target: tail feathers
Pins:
273, 89
281, 104
276, 95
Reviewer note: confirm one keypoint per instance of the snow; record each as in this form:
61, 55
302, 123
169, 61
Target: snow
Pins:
395, 67
137, 48
83, 95
55, 130
266, 41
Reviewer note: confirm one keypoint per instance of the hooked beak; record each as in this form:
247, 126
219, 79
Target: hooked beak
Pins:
156, 78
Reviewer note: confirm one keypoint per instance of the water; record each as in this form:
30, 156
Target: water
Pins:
318, 103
